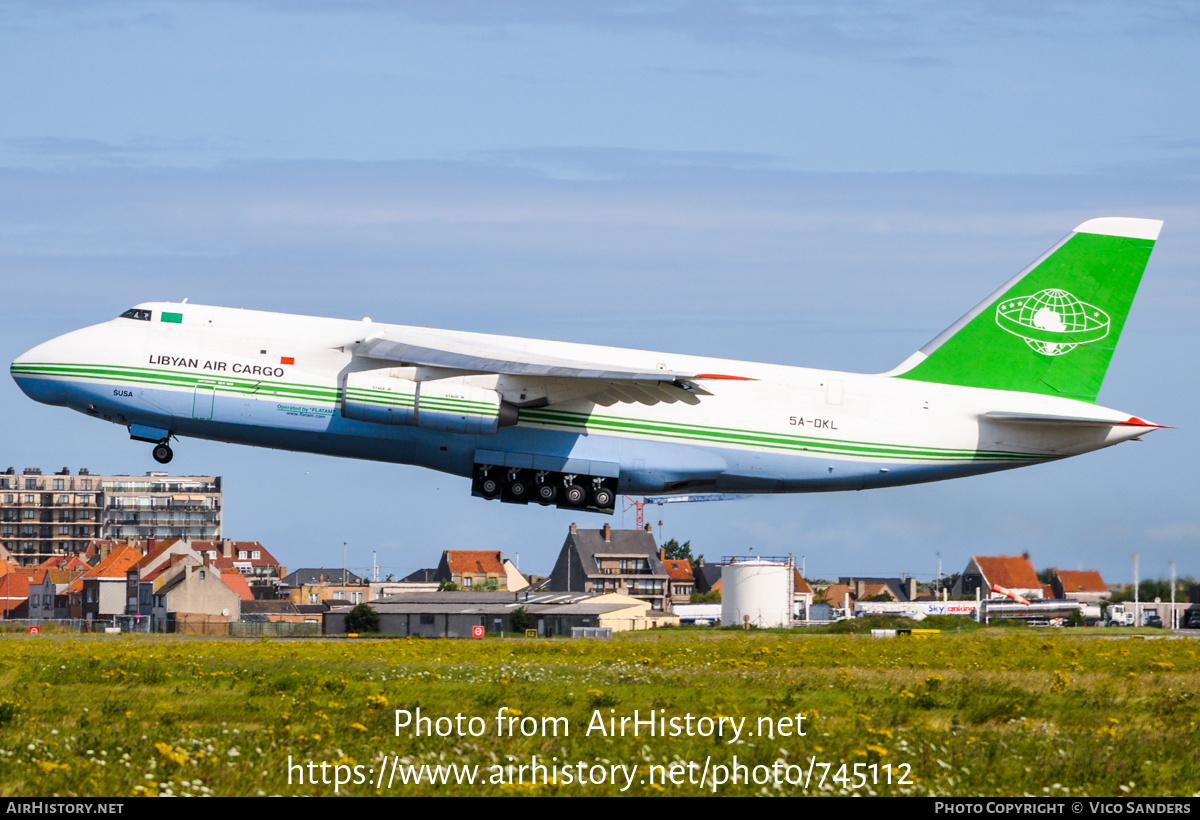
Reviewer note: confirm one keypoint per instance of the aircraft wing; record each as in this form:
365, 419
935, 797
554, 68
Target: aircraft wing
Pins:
601, 382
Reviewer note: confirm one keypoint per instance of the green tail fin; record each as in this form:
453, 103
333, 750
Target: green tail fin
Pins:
1053, 328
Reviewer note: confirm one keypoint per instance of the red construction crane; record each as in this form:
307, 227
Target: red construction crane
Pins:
632, 503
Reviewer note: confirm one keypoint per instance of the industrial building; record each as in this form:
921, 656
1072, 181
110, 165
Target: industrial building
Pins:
457, 614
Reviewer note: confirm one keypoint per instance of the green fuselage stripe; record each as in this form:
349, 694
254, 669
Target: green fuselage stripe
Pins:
752, 438
537, 417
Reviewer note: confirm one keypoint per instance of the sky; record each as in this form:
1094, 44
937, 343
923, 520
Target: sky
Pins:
817, 184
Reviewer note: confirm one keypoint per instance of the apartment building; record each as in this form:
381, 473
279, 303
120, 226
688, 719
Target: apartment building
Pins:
46, 515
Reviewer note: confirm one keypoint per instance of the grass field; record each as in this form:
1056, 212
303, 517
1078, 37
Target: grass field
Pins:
985, 712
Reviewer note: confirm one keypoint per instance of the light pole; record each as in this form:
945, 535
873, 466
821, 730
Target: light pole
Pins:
1172, 619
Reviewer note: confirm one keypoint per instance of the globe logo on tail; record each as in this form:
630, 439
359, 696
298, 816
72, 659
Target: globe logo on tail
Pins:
1052, 321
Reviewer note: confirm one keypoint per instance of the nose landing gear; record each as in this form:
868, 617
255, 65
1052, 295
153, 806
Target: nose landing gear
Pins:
158, 436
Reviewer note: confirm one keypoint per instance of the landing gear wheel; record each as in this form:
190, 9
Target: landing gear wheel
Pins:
162, 453
489, 486
602, 497
575, 495
547, 493
518, 489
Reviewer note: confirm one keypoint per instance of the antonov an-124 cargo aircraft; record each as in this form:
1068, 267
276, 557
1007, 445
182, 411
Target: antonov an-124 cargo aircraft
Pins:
1011, 383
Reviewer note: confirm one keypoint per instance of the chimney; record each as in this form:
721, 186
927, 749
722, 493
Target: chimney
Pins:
912, 589
649, 528
662, 554
574, 530
227, 548
608, 533
859, 589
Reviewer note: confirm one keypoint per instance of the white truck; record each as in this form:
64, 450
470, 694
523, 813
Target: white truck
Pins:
1120, 615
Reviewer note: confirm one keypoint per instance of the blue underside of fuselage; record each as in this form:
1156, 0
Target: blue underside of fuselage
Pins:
645, 466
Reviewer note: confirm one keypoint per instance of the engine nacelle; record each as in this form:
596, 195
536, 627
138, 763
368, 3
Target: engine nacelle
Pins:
447, 405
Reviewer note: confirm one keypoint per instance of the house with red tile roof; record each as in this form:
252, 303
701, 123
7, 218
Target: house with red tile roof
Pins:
249, 559
67, 562
14, 590
238, 583
48, 591
163, 555
1081, 585
681, 582
838, 596
101, 592
100, 548
472, 569
1012, 572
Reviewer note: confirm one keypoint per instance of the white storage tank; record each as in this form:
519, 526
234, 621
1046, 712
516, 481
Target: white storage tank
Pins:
757, 589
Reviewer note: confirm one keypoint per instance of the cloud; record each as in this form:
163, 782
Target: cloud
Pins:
815, 26
79, 152
64, 147
1179, 532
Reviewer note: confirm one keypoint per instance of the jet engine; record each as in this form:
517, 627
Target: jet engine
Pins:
446, 405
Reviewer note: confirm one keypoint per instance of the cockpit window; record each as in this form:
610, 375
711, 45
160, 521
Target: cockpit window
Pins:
136, 313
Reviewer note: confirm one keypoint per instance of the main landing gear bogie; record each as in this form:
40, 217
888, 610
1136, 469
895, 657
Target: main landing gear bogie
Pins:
547, 492
515, 485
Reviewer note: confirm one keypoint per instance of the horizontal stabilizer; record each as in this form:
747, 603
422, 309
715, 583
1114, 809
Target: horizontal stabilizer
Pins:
1065, 421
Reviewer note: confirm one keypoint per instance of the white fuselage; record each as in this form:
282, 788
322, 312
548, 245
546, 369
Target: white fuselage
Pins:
279, 380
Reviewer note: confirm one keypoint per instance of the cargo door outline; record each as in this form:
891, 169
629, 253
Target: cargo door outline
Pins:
203, 400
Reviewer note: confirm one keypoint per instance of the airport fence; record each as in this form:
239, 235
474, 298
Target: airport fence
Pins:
51, 625
271, 629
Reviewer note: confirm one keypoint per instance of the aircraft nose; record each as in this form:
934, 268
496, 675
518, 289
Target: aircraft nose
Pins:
38, 373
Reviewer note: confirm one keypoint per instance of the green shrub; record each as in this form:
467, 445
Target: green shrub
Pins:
521, 619
362, 619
